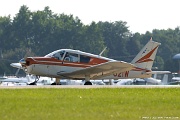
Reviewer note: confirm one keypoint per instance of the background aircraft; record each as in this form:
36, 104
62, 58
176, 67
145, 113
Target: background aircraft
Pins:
175, 79
155, 80
28, 80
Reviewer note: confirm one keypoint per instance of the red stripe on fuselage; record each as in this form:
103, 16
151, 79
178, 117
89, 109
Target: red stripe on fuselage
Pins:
54, 61
140, 69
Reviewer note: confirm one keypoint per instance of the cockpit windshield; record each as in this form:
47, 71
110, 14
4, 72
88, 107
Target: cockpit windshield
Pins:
68, 55
56, 54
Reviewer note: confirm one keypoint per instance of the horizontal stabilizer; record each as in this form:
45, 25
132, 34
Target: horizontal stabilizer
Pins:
158, 72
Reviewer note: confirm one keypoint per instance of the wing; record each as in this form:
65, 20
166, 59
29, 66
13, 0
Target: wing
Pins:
100, 70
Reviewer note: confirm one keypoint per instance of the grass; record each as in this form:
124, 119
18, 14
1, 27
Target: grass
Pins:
90, 104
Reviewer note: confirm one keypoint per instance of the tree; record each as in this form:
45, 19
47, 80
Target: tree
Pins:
92, 39
40, 32
133, 46
115, 36
22, 28
5, 32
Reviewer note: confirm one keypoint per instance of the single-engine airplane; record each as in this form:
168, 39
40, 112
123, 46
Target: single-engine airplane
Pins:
78, 65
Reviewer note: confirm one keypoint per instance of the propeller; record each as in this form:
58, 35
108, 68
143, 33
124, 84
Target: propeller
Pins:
18, 65
22, 65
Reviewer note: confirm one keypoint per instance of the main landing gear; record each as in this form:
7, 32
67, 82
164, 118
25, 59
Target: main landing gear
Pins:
87, 80
87, 83
57, 82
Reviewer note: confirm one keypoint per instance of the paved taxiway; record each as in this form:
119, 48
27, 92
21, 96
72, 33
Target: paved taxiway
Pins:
90, 86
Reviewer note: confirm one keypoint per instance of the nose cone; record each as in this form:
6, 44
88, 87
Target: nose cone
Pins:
16, 65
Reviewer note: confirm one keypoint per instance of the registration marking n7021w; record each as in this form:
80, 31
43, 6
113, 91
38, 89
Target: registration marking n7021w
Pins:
122, 74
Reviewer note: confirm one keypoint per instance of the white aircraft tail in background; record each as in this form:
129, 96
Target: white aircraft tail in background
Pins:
157, 81
165, 79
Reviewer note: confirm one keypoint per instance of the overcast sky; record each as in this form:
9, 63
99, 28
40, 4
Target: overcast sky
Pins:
140, 15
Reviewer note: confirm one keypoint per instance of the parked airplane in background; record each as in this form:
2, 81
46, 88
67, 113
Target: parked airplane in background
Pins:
125, 82
16, 80
29, 79
155, 80
175, 79
78, 65
159, 78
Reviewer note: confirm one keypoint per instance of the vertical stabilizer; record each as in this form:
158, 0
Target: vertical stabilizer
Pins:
165, 79
146, 56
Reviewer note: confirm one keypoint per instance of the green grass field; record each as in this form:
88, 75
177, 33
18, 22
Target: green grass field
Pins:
90, 104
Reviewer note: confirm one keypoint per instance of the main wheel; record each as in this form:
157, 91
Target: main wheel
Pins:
54, 83
88, 83
33, 83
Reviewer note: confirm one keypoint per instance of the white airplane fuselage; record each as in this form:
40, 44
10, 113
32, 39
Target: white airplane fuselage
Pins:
78, 65
66, 67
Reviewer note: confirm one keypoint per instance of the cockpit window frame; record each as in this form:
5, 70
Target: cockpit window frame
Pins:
75, 57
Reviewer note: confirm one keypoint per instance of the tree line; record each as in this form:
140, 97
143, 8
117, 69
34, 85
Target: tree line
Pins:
38, 33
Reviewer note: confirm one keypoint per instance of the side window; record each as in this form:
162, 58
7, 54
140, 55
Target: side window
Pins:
72, 57
84, 59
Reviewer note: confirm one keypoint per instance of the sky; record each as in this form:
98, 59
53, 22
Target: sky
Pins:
140, 15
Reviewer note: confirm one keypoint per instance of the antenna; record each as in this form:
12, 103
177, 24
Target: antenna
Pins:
102, 51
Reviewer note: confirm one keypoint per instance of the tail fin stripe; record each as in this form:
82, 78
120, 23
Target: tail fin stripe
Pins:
147, 56
147, 60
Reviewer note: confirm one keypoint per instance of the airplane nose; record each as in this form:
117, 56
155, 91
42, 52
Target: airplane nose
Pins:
25, 62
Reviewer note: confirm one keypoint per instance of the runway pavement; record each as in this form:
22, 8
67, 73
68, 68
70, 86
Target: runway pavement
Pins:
89, 86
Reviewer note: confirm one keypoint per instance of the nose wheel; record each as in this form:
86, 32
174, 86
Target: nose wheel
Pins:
34, 83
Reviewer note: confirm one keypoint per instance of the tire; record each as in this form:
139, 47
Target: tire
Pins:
88, 83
